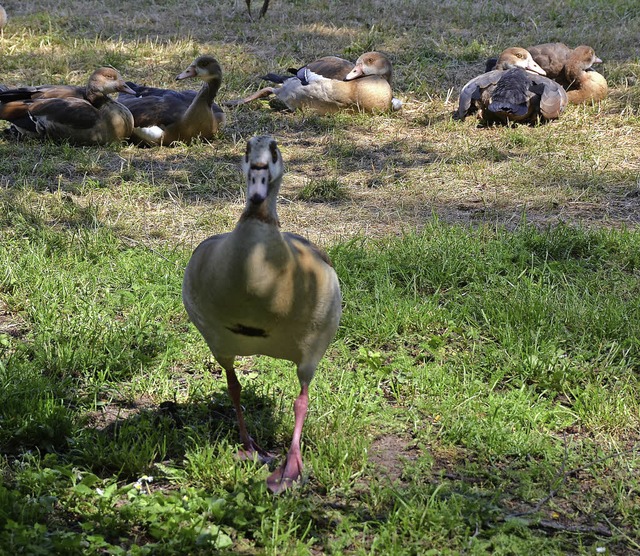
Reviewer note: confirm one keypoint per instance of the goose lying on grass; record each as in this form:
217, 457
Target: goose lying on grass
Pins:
582, 82
331, 84
572, 68
80, 115
162, 116
515, 91
256, 290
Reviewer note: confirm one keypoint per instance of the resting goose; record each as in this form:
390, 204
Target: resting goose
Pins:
256, 290
163, 116
331, 67
584, 84
516, 91
80, 115
572, 68
329, 85
551, 57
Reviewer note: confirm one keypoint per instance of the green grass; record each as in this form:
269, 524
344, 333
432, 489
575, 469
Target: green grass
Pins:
481, 396
503, 365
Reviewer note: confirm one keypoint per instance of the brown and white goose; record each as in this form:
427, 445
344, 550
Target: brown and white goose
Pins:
80, 115
516, 91
572, 68
257, 290
331, 84
164, 116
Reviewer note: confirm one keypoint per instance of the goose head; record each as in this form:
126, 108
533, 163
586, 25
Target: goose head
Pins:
584, 57
516, 57
105, 81
263, 167
371, 63
205, 67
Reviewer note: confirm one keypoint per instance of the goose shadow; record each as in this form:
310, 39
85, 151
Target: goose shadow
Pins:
131, 438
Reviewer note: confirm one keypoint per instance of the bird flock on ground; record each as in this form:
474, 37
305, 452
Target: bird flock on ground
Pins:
257, 290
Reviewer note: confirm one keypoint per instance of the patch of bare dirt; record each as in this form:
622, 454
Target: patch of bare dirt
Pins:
390, 453
11, 323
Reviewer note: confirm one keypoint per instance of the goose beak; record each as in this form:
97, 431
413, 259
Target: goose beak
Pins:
124, 88
356, 72
532, 66
257, 184
189, 72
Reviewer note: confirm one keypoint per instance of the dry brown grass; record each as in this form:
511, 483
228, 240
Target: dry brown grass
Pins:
395, 171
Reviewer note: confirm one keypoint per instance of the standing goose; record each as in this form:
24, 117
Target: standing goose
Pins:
163, 116
256, 290
516, 91
80, 115
331, 84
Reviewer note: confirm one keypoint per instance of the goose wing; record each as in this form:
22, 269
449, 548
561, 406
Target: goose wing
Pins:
553, 97
471, 93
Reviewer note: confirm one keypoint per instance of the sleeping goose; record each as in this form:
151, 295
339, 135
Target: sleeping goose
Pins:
516, 91
80, 115
163, 116
256, 290
329, 85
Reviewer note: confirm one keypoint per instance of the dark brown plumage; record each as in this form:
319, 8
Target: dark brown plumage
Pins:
163, 116
80, 115
551, 57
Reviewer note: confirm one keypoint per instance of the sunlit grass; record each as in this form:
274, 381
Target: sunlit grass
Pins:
481, 396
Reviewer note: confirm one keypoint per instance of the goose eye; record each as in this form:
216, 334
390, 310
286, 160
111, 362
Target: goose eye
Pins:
274, 151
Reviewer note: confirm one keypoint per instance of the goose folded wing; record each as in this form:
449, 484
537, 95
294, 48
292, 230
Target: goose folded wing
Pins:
553, 97
473, 91
71, 112
146, 91
155, 111
41, 92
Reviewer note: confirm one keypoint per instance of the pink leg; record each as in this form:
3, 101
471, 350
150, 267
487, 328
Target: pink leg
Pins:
250, 446
291, 469
262, 93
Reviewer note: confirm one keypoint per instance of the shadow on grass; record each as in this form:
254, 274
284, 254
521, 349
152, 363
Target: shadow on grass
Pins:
129, 438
